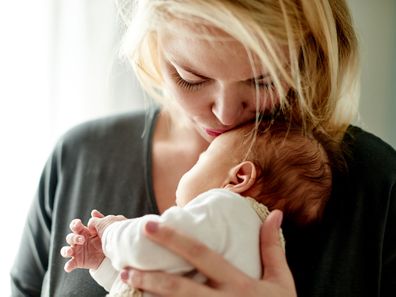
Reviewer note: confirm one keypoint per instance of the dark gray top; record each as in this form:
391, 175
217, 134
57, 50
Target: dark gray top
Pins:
106, 165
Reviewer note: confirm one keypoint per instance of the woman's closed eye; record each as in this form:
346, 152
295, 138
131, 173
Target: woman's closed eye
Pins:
196, 85
187, 84
261, 83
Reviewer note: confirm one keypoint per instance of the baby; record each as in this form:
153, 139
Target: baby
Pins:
219, 201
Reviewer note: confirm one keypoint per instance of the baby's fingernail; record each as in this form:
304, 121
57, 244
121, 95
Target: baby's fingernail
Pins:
80, 239
151, 227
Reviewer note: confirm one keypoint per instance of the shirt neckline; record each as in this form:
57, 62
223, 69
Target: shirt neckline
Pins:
150, 124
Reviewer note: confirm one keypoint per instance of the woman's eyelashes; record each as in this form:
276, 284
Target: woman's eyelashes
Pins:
188, 85
262, 84
196, 85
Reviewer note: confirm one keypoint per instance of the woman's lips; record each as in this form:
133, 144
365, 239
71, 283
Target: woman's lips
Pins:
214, 132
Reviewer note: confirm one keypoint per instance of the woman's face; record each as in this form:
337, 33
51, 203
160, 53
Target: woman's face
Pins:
213, 82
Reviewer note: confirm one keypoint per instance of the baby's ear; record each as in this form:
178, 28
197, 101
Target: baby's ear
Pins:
241, 177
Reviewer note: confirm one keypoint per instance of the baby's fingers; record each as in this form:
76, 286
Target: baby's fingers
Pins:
73, 239
97, 214
76, 226
67, 252
70, 265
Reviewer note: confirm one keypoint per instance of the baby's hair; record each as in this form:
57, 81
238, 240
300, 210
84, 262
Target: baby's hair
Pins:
293, 170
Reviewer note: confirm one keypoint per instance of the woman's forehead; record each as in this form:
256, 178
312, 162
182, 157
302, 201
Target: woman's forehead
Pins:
228, 57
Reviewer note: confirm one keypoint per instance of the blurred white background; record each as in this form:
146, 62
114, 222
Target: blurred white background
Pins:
59, 67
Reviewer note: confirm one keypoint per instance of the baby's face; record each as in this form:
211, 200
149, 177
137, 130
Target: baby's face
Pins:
211, 170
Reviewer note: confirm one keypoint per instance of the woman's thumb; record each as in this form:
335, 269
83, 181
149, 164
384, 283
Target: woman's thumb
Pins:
272, 249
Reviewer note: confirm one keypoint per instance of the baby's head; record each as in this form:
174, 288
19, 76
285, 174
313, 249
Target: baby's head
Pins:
278, 165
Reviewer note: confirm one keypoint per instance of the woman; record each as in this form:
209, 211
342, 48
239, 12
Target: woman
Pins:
214, 65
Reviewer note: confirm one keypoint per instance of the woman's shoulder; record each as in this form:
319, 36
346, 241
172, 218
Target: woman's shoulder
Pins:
112, 126
367, 151
361, 137
110, 135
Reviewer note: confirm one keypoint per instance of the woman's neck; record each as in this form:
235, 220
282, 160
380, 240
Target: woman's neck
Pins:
176, 148
177, 131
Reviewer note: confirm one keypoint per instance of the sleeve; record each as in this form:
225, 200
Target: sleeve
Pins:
388, 278
105, 275
30, 266
125, 244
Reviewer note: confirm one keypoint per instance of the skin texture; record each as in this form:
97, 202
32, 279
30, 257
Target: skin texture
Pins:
213, 82
210, 171
215, 169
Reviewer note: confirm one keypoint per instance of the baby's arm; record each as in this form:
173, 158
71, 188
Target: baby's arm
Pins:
126, 244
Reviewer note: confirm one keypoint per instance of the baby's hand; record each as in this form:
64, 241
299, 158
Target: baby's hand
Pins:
85, 247
98, 224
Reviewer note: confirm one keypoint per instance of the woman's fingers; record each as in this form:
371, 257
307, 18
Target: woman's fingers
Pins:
208, 262
272, 253
165, 284
223, 278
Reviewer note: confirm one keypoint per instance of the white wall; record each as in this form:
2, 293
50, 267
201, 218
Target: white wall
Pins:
376, 26
58, 67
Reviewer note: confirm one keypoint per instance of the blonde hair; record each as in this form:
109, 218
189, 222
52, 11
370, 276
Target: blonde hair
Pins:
323, 71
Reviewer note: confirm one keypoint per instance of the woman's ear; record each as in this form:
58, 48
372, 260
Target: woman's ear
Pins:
241, 177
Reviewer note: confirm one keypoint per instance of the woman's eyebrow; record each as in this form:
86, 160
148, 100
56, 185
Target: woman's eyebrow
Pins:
188, 69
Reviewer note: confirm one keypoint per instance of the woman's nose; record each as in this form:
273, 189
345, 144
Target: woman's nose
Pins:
229, 107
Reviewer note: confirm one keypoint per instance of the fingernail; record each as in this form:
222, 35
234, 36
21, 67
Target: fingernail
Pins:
80, 239
124, 275
151, 227
63, 252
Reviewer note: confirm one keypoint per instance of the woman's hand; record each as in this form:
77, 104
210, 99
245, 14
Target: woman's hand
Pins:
224, 279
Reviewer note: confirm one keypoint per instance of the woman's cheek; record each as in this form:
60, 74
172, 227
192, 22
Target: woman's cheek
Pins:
190, 101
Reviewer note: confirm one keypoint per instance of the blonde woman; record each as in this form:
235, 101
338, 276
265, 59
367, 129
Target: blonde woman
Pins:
214, 65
